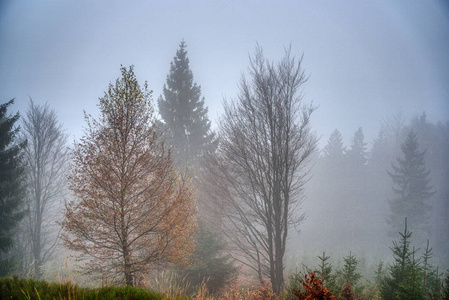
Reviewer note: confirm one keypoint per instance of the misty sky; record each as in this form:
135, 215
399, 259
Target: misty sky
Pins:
366, 59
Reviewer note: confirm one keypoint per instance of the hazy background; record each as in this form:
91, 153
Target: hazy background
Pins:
366, 59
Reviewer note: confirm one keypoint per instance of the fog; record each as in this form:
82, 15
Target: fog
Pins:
347, 203
365, 60
378, 66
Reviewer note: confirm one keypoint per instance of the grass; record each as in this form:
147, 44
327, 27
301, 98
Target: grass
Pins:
29, 289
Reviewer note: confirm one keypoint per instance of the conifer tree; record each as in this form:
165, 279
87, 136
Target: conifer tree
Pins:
349, 277
431, 277
349, 273
355, 186
334, 195
426, 257
12, 178
404, 275
357, 155
334, 148
434, 283
324, 271
379, 273
211, 265
183, 112
414, 280
445, 294
412, 189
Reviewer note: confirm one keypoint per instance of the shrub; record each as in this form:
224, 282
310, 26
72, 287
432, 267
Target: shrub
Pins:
313, 289
264, 292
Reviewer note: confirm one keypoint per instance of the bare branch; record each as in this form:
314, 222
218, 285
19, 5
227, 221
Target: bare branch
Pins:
257, 175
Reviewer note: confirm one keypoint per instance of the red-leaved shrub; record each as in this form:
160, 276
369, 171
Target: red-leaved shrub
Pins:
314, 289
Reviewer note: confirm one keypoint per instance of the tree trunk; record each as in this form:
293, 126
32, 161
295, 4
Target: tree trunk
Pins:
279, 269
126, 258
127, 265
37, 239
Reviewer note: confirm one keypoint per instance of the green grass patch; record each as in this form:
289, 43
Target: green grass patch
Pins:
29, 289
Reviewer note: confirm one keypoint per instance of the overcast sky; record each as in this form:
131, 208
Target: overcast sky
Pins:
366, 59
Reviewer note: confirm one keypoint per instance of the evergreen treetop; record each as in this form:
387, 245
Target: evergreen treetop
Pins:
334, 148
183, 111
358, 154
412, 188
324, 271
349, 274
404, 279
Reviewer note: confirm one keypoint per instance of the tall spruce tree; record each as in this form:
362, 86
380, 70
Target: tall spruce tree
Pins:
412, 190
336, 194
436, 138
183, 112
12, 178
355, 173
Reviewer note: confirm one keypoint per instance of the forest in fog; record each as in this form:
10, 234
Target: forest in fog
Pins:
154, 194
349, 194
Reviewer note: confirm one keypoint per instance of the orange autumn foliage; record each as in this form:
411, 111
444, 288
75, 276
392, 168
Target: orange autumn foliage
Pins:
314, 289
132, 211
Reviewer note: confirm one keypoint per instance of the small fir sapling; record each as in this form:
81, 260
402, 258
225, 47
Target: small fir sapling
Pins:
349, 277
325, 272
404, 279
431, 276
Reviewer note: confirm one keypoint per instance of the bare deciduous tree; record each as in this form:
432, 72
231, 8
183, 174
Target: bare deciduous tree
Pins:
46, 157
258, 172
132, 210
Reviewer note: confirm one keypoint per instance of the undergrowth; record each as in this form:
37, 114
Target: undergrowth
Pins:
29, 289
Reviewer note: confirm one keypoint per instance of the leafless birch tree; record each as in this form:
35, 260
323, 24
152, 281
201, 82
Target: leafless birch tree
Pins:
46, 160
258, 173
